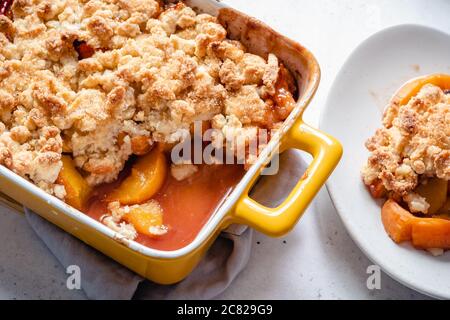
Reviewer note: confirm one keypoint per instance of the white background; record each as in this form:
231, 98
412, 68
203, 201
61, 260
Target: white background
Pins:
317, 260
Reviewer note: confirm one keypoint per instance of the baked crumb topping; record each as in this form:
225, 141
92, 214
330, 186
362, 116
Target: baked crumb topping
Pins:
412, 147
106, 79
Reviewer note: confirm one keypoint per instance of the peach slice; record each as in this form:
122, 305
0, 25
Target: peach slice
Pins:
425, 233
377, 189
435, 192
147, 177
147, 219
412, 87
430, 233
77, 189
140, 145
397, 221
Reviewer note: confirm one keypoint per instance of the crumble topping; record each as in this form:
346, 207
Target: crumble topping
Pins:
148, 74
183, 171
413, 145
126, 230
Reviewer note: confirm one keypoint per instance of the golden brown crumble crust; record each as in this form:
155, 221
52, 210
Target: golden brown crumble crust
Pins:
153, 73
413, 145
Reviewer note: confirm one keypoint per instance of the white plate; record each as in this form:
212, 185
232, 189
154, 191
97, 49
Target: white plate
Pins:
371, 75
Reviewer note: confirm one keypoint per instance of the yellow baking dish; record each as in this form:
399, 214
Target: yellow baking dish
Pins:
167, 267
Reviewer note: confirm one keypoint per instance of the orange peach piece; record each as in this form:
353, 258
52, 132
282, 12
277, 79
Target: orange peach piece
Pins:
397, 221
77, 189
377, 189
146, 219
430, 233
412, 87
147, 177
435, 192
140, 145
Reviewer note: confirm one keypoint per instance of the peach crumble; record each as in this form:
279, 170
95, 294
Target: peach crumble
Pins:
101, 81
409, 163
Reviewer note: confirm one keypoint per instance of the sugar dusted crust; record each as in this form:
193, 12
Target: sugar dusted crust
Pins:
412, 146
153, 72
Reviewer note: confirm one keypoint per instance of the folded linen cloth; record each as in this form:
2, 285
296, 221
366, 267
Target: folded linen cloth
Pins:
103, 278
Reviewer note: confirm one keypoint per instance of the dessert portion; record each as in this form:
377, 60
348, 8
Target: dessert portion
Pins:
409, 164
98, 92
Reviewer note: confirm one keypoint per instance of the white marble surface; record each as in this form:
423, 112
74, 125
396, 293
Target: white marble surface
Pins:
318, 259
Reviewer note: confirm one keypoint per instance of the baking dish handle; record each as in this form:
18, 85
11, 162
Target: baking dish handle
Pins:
326, 152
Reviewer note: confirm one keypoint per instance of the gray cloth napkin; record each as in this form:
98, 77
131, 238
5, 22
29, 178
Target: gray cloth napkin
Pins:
103, 278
